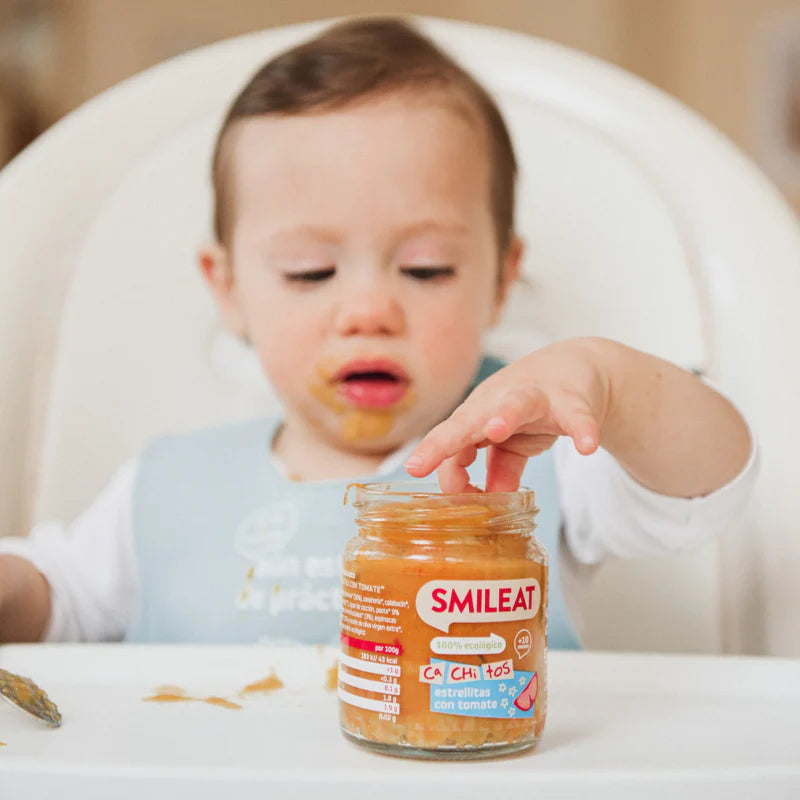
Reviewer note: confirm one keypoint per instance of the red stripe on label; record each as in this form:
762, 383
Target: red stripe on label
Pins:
373, 647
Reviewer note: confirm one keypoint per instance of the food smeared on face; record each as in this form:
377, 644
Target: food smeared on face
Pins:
368, 394
360, 425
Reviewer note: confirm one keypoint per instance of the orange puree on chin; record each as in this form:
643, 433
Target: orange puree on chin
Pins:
357, 424
367, 424
444, 608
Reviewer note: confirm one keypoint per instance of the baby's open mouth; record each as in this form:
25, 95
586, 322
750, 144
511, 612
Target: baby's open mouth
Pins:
372, 384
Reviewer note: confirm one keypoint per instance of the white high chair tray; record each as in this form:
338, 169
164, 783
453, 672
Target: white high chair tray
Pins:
619, 725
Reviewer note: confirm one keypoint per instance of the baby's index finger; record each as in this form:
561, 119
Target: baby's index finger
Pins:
445, 440
504, 469
416, 464
453, 476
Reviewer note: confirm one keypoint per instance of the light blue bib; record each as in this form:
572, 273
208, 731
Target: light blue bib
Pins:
230, 551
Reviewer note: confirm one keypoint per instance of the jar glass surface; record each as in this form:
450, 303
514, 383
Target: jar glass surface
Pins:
444, 619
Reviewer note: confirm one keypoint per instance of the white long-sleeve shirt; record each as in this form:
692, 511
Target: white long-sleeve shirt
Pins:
91, 566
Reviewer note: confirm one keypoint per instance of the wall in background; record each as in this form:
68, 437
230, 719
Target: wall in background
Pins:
736, 62
727, 59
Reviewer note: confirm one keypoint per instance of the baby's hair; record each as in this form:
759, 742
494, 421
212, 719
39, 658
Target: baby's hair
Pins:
358, 59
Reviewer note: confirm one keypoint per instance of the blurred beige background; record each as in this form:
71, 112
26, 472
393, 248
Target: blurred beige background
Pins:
736, 62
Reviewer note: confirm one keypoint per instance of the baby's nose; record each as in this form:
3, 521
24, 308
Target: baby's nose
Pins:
370, 313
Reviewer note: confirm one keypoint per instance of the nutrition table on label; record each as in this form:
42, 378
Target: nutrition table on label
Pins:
366, 611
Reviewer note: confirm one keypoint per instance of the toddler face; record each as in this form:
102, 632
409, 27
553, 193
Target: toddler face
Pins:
362, 263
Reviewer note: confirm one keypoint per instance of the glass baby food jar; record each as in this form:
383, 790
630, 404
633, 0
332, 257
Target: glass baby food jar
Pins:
444, 623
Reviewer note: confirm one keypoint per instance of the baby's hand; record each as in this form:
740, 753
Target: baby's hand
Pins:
560, 390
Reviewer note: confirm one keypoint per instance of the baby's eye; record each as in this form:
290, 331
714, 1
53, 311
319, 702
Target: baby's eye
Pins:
429, 273
310, 275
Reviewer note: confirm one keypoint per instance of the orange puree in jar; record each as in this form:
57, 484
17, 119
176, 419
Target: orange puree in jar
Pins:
444, 609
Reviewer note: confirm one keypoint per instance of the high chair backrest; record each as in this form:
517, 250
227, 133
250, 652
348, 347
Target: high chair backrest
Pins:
642, 224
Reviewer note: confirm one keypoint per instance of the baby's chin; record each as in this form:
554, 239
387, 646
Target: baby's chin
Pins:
370, 431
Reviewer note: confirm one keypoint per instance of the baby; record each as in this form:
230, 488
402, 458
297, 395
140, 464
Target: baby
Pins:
364, 242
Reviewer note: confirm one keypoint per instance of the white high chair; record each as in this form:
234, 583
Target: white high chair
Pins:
642, 223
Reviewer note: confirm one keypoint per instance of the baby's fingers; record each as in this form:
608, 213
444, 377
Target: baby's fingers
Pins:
513, 410
457, 433
580, 425
453, 478
476, 421
452, 473
505, 462
504, 469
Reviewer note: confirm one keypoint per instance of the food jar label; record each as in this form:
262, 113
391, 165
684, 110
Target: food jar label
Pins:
486, 690
467, 648
441, 603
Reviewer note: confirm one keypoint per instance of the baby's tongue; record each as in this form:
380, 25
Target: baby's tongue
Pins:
372, 389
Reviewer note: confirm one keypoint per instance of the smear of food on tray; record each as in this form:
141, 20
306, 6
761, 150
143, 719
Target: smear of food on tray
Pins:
176, 694
268, 684
169, 693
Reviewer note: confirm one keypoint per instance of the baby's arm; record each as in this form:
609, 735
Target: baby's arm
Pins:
87, 572
667, 428
24, 600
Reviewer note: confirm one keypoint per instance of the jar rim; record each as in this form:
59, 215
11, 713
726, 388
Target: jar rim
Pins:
426, 508
416, 490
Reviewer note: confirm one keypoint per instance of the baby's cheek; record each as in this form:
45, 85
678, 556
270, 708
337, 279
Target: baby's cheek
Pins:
284, 352
456, 331
453, 354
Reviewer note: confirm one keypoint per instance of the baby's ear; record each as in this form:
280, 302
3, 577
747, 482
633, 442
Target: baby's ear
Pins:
509, 273
217, 270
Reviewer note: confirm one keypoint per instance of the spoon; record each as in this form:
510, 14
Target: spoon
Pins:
25, 694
